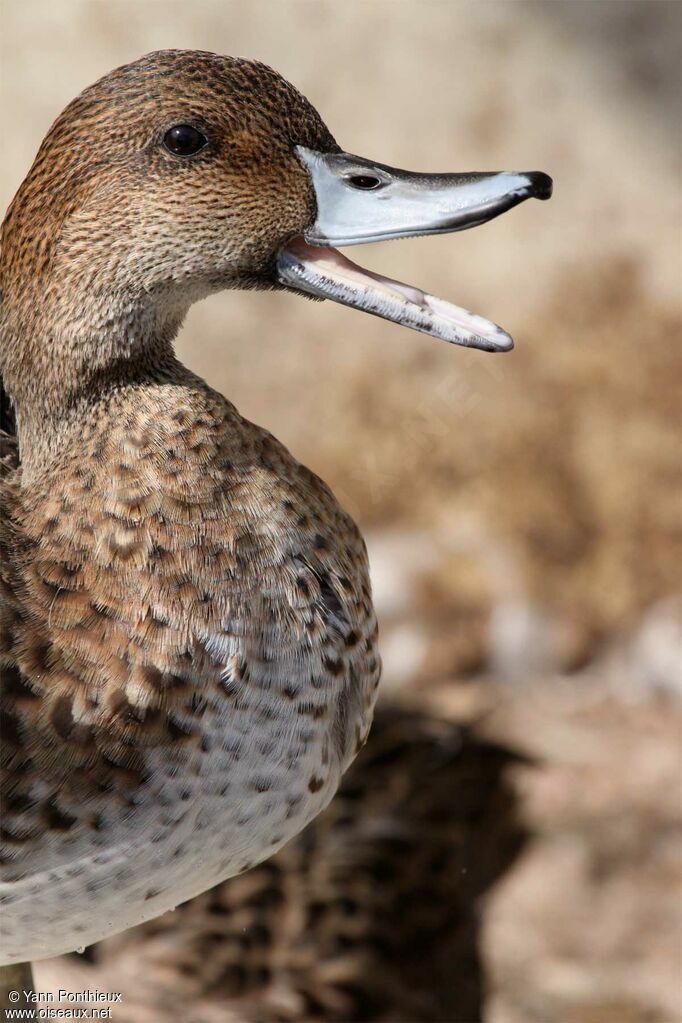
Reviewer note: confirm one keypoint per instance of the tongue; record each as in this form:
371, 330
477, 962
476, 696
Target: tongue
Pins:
325, 272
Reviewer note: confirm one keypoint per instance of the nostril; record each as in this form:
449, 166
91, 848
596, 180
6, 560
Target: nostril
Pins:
363, 181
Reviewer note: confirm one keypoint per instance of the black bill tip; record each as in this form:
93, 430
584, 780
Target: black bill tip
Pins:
541, 185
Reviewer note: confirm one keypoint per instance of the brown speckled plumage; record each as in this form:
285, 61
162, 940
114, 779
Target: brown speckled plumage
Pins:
188, 642
372, 914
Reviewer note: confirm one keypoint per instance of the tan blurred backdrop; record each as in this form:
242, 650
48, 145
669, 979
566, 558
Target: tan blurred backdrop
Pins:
523, 509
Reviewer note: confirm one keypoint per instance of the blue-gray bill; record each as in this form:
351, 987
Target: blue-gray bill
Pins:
359, 201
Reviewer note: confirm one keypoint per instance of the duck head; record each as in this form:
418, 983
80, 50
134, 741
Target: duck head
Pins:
186, 172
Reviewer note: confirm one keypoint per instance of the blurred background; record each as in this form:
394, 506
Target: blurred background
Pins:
522, 514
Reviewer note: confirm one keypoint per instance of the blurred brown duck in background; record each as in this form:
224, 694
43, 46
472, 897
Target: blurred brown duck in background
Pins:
189, 658
372, 913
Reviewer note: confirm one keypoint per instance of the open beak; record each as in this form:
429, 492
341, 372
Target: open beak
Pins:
359, 201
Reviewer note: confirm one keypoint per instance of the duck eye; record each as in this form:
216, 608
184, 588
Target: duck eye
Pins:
184, 140
364, 181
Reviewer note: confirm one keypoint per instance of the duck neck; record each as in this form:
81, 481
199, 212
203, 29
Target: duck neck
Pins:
62, 356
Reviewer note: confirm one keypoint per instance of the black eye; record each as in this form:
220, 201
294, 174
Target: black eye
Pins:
365, 181
184, 140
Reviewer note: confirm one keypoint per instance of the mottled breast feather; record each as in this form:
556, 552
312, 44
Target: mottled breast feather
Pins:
182, 602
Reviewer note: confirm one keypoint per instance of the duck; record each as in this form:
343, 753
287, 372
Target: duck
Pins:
371, 913
189, 656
